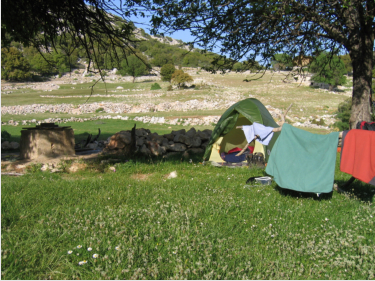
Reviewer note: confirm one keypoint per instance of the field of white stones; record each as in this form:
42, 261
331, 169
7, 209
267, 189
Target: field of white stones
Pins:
72, 98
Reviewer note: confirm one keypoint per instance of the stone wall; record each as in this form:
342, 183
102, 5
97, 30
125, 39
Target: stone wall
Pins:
148, 143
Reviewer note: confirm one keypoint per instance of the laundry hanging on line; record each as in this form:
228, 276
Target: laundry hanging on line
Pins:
265, 133
358, 155
303, 161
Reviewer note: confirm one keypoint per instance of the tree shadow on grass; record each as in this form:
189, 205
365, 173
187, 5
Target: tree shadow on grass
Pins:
358, 190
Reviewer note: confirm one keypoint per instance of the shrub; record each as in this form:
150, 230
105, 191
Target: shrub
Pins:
343, 115
169, 88
155, 86
179, 78
100, 109
319, 122
5, 136
166, 72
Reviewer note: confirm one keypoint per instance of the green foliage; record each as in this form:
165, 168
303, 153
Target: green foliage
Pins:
343, 115
328, 69
43, 64
134, 66
179, 78
5, 136
166, 72
169, 88
319, 122
160, 60
155, 86
282, 62
347, 62
14, 67
238, 66
69, 26
100, 109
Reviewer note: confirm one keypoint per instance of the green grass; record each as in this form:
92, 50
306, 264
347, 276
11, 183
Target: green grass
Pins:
108, 128
204, 224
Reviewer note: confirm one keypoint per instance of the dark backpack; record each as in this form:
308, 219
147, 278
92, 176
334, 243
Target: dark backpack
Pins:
363, 125
255, 160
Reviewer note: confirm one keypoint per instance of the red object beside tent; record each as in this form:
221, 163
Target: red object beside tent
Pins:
358, 155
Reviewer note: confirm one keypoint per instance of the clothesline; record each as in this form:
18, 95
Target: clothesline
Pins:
278, 129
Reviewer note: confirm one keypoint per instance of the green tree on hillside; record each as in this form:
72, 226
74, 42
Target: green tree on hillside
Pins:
14, 67
282, 62
161, 59
328, 70
167, 71
247, 29
87, 24
238, 66
42, 64
134, 67
179, 78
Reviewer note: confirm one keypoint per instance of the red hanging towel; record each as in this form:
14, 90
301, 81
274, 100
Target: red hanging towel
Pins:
358, 155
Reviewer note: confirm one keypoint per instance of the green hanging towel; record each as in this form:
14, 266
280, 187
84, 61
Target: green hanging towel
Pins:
303, 161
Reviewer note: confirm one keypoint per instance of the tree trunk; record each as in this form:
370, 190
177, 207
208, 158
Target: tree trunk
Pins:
362, 60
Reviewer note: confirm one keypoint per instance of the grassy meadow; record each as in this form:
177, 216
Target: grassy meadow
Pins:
206, 223
132, 220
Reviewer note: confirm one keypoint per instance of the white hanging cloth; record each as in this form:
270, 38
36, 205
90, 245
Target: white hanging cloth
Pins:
265, 133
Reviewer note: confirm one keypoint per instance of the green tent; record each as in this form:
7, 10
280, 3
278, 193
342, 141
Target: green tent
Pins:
225, 136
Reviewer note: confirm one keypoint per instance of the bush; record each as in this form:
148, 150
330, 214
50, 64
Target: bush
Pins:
319, 122
343, 115
170, 88
155, 86
100, 109
5, 136
179, 78
166, 72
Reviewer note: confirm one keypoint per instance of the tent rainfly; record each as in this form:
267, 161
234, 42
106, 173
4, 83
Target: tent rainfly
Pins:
226, 136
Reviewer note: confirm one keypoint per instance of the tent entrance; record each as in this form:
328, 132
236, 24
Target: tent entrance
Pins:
234, 138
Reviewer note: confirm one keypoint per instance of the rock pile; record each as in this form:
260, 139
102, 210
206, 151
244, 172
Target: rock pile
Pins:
181, 142
110, 107
6, 145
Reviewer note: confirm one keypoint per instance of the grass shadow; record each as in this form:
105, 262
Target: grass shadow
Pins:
358, 190
306, 195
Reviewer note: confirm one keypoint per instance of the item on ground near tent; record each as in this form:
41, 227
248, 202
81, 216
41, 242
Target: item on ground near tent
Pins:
264, 180
250, 180
303, 161
255, 160
358, 155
